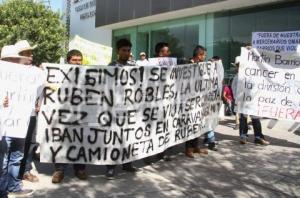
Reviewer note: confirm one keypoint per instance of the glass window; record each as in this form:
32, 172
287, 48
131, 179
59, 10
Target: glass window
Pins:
223, 33
143, 43
233, 29
181, 39
114, 42
222, 39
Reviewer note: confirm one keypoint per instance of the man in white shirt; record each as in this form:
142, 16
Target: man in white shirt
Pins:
12, 148
25, 50
143, 60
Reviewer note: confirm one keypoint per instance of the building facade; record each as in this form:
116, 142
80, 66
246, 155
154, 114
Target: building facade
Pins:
80, 20
222, 26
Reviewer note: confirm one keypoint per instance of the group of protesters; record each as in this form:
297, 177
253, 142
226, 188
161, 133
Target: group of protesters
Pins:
17, 154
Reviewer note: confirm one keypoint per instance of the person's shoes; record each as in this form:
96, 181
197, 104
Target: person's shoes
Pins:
22, 193
261, 141
201, 151
81, 174
243, 140
57, 177
110, 174
236, 127
189, 152
129, 168
212, 146
30, 177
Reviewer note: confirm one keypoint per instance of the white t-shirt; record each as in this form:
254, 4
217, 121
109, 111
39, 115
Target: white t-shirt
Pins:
144, 62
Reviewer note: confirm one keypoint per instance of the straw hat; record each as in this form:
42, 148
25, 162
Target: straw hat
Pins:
23, 45
10, 51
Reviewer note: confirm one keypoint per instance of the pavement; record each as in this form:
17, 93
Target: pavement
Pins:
233, 171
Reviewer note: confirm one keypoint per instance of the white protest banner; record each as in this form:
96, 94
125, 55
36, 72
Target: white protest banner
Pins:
276, 41
269, 84
21, 84
114, 115
93, 53
162, 61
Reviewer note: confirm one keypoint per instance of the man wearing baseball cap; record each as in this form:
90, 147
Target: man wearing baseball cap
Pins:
143, 60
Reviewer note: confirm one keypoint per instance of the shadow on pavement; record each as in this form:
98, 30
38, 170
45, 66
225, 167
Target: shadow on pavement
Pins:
234, 171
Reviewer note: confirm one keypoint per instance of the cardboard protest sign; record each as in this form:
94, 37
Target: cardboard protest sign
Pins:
276, 41
162, 61
21, 84
269, 84
114, 115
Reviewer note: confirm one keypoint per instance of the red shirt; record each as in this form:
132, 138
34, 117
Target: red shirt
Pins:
228, 93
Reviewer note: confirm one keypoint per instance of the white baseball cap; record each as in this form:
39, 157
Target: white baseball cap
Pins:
23, 45
10, 51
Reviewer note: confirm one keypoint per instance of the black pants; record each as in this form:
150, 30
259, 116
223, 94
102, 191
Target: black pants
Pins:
109, 167
255, 123
28, 143
194, 143
62, 167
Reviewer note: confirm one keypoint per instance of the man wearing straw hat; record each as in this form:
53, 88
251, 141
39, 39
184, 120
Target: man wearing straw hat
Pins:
25, 50
12, 148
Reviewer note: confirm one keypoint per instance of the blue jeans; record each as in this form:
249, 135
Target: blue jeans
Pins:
209, 137
3, 183
13, 154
